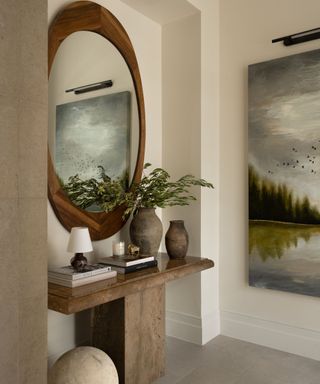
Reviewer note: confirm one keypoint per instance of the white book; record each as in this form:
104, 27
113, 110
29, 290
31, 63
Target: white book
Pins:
84, 281
68, 273
125, 261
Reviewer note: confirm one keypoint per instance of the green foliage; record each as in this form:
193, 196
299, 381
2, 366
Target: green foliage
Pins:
105, 193
270, 201
154, 190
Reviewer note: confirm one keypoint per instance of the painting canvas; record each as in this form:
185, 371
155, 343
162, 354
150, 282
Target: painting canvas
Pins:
284, 174
92, 133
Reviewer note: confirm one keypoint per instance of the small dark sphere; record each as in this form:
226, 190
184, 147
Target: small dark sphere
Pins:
79, 262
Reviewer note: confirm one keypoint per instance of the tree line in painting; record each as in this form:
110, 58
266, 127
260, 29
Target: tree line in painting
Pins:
276, 202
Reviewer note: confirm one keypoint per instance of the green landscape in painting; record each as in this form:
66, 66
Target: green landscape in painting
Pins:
284, 169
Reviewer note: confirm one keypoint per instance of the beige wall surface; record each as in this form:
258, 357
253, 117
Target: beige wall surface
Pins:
281, 320
181, 153
210, 164
23, 130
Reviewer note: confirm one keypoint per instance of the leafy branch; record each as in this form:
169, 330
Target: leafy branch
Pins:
154, 190
104, 192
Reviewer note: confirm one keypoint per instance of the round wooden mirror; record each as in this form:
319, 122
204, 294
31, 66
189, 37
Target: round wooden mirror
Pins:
87, 21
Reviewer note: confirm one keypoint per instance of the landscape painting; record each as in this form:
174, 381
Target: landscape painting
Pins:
92, 135
284, 174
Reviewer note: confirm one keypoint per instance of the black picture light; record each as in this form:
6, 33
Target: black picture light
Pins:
91, 87
301, 37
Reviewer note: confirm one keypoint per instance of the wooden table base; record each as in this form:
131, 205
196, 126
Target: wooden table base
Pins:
128, 315
131, 330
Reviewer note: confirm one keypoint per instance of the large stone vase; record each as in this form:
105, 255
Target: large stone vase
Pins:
146, 231
177, 240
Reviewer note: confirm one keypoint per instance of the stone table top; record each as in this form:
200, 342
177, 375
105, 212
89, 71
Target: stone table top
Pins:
71, 300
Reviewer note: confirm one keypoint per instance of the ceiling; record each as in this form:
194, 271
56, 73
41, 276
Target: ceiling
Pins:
163, 11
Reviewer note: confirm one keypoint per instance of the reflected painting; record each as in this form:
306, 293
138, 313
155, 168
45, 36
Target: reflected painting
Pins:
284, 171
93, 139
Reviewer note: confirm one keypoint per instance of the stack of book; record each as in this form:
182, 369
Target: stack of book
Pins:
128, 263
68, 277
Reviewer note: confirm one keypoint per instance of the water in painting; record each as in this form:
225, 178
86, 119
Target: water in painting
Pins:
284, 171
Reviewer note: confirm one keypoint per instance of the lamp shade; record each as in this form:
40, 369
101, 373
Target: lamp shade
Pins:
79, 240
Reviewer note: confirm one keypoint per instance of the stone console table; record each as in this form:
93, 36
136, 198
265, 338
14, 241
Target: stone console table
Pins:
128, 315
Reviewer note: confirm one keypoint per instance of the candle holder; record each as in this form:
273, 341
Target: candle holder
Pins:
118, 248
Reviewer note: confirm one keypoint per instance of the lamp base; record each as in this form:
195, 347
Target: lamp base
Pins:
78, 261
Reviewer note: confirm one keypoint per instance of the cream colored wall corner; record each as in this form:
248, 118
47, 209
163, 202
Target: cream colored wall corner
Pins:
181, 110
211, 165
191, 145
277, 319
64, 332
23, 128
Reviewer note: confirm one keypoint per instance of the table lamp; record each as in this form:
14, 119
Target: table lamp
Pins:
79, 242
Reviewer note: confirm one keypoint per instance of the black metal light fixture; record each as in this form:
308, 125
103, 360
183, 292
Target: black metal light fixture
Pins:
91, 87
301, 37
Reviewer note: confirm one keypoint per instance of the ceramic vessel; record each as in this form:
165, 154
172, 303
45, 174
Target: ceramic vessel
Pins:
146, 231
177, 240
84, 365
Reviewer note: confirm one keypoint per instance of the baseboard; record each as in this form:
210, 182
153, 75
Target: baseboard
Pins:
299, 341
191, 328
210, 326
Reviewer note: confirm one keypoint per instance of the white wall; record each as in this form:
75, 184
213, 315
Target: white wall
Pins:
277, 319
191, 144
210, 164
181, 153
64, 332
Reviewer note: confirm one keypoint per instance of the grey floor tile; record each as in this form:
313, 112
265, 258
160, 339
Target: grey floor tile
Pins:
228, 361
182, 357
169, 378
205, 375
219, 366
255, 377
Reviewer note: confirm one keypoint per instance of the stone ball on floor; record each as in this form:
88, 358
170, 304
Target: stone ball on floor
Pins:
84, 365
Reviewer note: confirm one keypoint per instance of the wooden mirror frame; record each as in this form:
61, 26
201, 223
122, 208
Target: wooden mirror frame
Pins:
92, 17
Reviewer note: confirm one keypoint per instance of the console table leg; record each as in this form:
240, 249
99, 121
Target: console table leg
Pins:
131, 330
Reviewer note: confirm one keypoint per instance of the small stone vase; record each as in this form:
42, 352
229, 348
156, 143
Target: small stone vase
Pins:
177, 240
146, 231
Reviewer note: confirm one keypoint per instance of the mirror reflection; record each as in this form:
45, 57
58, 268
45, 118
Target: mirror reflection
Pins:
93, 136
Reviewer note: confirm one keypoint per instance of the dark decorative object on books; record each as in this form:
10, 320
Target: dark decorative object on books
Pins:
133, 250
177, 240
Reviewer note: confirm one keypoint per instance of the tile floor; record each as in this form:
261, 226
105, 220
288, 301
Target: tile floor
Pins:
229, 361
